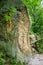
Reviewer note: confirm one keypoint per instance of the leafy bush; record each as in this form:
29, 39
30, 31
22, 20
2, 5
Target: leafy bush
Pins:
2, 61
7, 14
39, 46
4, 58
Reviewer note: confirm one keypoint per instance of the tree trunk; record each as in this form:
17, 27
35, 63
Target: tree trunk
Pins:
18, 31
23, 30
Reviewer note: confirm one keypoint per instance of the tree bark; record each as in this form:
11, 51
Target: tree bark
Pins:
20, 44
23, 29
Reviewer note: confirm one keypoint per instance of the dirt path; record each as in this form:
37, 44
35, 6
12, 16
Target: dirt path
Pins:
37, 59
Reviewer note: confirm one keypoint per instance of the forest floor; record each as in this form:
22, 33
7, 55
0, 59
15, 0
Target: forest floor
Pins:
37, 59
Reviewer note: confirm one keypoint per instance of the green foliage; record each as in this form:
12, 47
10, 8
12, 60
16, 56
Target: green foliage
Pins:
2, 61
7, 15
12, 10
31, 4
14, 61
9, 59
39, 46
38, 24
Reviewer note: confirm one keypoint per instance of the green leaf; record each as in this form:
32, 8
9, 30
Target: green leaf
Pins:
7, 17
